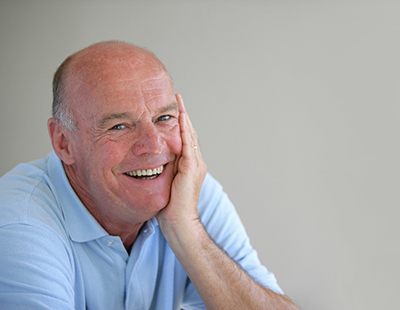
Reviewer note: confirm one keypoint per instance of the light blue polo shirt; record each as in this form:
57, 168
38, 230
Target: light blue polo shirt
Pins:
54, 254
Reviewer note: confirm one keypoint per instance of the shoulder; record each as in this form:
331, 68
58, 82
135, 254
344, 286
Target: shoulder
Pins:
213, 201
27, 197
36, 254
211, 192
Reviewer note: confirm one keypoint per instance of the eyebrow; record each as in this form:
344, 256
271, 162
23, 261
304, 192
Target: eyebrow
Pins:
103, 122
173, 106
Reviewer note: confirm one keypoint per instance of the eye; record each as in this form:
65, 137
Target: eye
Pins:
118, 127
164, 118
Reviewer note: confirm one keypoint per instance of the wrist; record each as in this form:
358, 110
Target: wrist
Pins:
183, 235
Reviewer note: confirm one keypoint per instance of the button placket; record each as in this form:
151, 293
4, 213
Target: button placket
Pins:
137, 294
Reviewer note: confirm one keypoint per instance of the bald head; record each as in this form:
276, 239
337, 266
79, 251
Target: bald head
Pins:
96, 64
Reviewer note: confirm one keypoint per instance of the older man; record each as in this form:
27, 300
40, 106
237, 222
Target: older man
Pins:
122, 214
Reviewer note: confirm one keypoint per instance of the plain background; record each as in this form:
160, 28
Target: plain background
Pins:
297, 107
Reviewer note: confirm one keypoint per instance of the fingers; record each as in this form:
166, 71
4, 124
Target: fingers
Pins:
188, 134
185, 135
183, 109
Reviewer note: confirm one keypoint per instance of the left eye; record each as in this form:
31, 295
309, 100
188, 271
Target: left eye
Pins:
164, 118
118, 127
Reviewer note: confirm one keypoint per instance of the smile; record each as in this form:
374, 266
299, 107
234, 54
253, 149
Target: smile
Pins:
146, 173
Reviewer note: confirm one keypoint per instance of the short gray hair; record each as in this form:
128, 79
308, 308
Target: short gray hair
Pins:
60, 109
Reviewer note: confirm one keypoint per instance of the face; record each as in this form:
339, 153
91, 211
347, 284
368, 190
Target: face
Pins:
127, 140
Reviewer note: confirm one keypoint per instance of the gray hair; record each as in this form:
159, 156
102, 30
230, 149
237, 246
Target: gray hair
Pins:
60, 109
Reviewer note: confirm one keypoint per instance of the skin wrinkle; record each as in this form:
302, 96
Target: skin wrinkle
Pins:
114, 116
127, 118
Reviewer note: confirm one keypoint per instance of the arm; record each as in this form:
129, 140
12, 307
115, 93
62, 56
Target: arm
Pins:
220, 281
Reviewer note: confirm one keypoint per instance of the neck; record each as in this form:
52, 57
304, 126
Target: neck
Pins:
128, 235
116, 224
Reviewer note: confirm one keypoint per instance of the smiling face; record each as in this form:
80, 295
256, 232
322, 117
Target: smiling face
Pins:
123, 152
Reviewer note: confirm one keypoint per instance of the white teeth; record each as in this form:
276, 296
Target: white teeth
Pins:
146, 172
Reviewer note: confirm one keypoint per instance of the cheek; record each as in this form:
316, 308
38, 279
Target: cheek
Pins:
113, 153
107, 156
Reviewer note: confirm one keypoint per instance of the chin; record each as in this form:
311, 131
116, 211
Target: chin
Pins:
154, 205
161, 204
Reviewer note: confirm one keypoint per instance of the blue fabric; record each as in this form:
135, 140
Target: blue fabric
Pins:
54, 255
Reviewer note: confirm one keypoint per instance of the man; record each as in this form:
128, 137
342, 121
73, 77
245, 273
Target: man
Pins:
122, 215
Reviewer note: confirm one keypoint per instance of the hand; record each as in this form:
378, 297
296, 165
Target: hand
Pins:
191, 170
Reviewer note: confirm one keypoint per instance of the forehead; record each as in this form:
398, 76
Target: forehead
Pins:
119, 83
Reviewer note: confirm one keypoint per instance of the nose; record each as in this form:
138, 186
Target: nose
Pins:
148, 140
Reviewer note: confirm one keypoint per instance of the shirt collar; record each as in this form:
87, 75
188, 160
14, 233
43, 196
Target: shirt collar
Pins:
80, 224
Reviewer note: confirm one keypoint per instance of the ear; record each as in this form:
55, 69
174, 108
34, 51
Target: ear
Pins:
60, 140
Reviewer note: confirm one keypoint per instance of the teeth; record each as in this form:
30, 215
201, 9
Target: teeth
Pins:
145, 172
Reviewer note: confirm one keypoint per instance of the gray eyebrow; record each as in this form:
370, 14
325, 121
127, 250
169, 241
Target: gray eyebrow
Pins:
173, 106
103, 122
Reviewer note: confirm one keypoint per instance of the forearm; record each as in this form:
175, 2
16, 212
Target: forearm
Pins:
220, 281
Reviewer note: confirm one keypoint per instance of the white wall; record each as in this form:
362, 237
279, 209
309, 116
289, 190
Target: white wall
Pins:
297, 107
